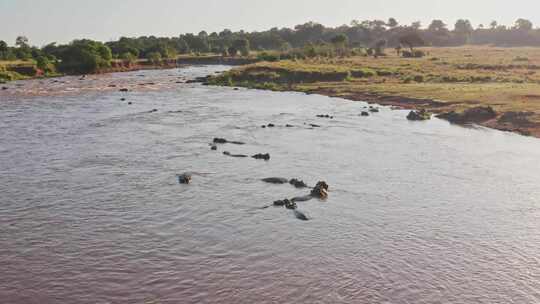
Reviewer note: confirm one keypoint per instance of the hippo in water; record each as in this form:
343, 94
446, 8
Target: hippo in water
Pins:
184, 178
218, 140
298, 183
275, 180
261, 156
234, 155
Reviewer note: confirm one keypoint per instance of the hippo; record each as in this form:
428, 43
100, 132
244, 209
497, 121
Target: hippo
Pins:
320, 191
297, 183
262, 156
124, 90
275, 180
234, 155
184, 178
213, 147
122, 99
364, 113
218, 140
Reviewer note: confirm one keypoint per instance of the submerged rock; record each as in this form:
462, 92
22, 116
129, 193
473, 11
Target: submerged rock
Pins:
364, 113
472, 115
301, 216
4, 88
419, 115
374, 110
124, 90
262, 156
213, 147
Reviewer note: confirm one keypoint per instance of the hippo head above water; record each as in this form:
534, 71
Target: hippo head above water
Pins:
320, 190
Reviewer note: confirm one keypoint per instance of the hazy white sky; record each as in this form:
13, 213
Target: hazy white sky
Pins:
45, 21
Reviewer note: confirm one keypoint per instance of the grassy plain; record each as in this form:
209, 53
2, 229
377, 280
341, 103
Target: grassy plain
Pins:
446, 79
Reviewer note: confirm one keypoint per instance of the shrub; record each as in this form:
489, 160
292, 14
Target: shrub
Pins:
414, 54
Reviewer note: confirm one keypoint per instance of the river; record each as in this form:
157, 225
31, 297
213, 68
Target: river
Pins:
91, 210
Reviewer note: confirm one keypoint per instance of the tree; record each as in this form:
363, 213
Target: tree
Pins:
241, 45
21, 41
84, 56
44, 64
523, 25
493, 25
416, 25
379, 48
411, 40
392, 22
463, 30
232, 51
340, 41
437, 26
463, 27
154, 58
3, 46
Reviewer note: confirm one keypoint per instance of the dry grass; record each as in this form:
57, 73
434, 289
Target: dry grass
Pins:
507, 79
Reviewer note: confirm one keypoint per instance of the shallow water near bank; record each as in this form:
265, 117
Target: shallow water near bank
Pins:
418, 212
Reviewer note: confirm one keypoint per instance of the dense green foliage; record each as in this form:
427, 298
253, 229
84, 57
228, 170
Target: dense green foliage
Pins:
303, 41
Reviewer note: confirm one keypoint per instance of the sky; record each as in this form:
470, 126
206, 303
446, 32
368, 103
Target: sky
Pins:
44, 21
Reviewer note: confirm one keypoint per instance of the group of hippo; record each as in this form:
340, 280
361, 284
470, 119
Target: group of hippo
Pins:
218, 140
320, 191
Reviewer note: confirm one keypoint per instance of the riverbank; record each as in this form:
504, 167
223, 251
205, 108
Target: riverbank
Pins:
454, 83
22, 70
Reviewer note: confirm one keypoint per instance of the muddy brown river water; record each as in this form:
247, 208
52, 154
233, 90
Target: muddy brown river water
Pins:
91, 210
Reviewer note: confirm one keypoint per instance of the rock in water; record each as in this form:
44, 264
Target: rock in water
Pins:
472, 115
184, 178
419, 115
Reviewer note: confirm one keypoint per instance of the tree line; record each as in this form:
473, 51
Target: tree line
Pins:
308, 39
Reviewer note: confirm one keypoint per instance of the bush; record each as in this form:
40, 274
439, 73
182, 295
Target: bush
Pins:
264, 56
415, 54
84, 56
419, 78
363, 73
